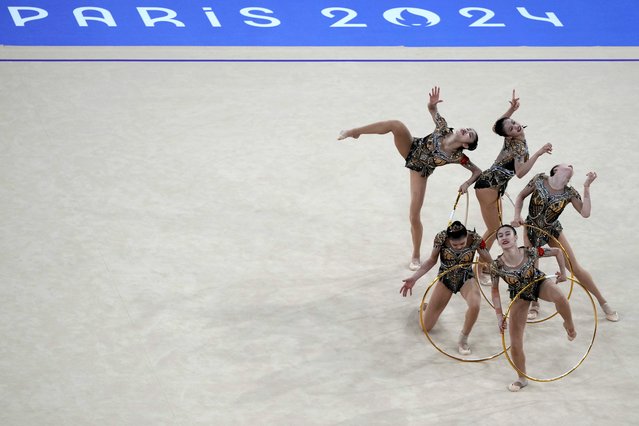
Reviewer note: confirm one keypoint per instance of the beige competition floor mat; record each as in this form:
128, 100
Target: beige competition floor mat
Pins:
184, 241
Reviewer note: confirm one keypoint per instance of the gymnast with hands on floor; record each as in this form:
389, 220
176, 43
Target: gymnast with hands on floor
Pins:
423, 155
516, 266
549, 196
453, 246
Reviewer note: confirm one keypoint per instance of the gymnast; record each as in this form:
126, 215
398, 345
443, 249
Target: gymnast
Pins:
516, 266
549, 196
423, 155
513, 160
454, 246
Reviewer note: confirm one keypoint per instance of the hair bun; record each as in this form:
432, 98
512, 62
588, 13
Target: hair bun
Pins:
456, 226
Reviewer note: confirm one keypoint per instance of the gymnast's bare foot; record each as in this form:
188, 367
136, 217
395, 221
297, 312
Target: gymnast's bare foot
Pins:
533, 312
462, 345
518, 385
347, 134
414, 264
572, 333
611, 314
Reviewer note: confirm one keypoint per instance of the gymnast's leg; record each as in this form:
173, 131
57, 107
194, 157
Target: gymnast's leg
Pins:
417, 195
401, 134
436, 305
489, 204
516, 327
470, 293
585, 278
403, 142
550, 292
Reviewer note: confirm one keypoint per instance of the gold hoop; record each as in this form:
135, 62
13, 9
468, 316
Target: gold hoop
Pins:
592, 341
572, 275
421, 320
500, 210
452, 212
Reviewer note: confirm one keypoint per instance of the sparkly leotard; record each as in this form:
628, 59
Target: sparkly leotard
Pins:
503, 169
522, 275
426, 154
448, 257
544, 209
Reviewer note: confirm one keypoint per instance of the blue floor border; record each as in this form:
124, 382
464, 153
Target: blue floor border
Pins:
324, 60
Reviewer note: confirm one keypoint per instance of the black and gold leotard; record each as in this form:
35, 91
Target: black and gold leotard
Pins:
448, 257
520, 276
544, 209
503, 169
426, 154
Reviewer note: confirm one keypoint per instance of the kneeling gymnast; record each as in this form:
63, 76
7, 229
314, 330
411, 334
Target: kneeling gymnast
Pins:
454, 246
